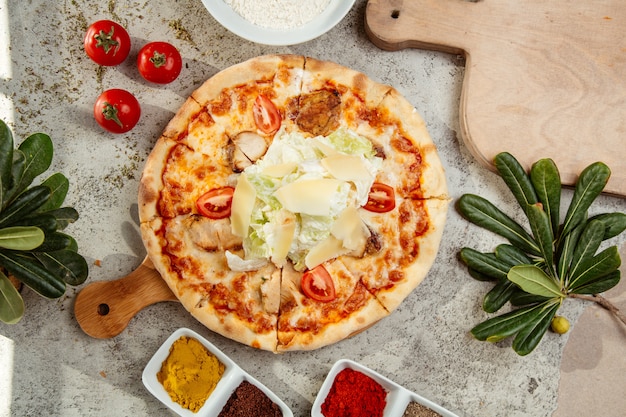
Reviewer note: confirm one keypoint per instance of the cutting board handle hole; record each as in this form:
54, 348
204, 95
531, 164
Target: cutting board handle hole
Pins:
103, 309
395, 14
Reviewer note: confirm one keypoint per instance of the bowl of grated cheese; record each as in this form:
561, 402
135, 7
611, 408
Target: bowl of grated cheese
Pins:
278, 22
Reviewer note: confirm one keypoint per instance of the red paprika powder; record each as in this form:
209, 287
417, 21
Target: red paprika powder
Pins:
354, 394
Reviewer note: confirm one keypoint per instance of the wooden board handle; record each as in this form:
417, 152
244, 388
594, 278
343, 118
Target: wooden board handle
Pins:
103, 309
424, 24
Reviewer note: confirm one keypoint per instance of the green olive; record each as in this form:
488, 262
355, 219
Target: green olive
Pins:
560, 325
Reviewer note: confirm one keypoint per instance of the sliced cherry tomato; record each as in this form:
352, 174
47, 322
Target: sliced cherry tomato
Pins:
317, 284
107, 43
266, 115
159, 62
117, 110
381, 198
216, 204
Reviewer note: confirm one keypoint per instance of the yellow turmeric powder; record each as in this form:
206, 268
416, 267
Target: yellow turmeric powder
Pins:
190, 373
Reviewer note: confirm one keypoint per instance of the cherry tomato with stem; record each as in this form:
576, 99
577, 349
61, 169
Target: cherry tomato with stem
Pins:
117, 110
159, 62
266, 115
381, 198
107, 43
217, 203
318, 285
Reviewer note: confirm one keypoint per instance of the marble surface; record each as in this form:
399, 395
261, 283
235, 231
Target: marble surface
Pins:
49, 366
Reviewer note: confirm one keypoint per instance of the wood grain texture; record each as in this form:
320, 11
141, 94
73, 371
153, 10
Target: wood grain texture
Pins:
544, 79
103, 309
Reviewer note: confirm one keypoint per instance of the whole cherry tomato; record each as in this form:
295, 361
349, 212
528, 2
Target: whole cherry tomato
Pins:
159, 62
266, 115
380, 199
117, 110
107, 43
317, 284
216, 204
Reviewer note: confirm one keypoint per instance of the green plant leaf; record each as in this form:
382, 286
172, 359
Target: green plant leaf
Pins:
54, 241
567, 252
546, 181
46, 222
614, 223
67, 264
529, 337
600, 265
38, 150
535, 281
64, 216
522, 298
599, 285
511, 255
478, 276
21, 237
588, 243
484, 263
59, 185
498, 296
542, 231
516, 179
505, 325
589, 185
484, 214
26, 203
30, 271
6, 161
11, 302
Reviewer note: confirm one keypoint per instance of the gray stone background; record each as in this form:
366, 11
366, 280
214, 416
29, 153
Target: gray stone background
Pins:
48, 366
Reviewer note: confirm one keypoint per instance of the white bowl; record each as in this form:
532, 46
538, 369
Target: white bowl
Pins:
232, 377
231, 20
398, 397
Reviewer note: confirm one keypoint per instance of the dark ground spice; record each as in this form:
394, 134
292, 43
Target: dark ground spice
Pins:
249, 401
418, 410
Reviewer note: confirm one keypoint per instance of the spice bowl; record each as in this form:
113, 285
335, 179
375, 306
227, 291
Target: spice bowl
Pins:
230, 380
397, 400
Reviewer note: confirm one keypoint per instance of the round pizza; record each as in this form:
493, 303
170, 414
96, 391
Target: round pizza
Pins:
292, 202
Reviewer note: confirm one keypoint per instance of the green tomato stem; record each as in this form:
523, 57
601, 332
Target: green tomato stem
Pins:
110, 113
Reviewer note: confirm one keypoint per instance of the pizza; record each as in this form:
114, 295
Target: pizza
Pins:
292, 202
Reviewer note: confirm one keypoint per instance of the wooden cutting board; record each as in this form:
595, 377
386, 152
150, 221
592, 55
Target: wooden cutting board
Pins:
543, 79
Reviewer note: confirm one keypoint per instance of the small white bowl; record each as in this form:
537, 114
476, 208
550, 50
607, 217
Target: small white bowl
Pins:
232, 377
398, 397
231, 20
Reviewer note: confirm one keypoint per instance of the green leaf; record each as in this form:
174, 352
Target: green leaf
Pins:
588, 243
529, 337
478, 276
534, 281
590, 184
46, 222
21, 237
484, 214
567, 252
614, 223
54, 241
599, 285
522, 298
6, 161
511, 255
500, 327
484, 263
27, 202
542, 231
59, 185
498, 296
28, 270
516, 179
546, 181
38, 150
600, 265
11, 302
64, 216
67, 264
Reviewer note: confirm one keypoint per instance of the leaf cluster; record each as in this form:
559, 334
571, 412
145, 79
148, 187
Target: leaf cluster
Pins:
33, 248
546, 261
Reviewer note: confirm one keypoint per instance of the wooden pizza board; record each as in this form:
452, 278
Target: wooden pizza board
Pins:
103, 309
543, 79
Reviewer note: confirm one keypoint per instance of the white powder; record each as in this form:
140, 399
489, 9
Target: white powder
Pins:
278, 14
